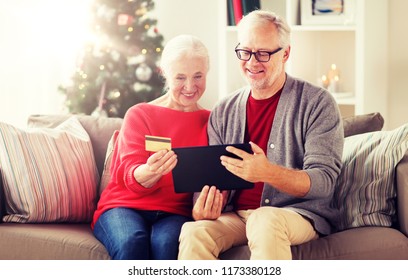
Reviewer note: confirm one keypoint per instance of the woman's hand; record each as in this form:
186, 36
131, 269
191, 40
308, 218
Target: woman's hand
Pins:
162, 162
209, 204
157, 165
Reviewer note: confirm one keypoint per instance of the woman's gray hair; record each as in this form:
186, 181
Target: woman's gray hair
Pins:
179, 46
261, 16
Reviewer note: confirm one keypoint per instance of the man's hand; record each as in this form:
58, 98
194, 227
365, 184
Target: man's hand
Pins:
257, 168
252, 167
209, 204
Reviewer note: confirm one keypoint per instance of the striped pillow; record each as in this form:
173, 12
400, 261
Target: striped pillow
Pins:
49, 175
365, 193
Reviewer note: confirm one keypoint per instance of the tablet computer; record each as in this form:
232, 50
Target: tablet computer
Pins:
201, 165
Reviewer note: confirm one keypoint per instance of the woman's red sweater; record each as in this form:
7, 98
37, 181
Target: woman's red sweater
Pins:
184, 129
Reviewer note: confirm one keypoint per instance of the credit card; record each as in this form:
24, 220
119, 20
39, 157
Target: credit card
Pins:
156, 143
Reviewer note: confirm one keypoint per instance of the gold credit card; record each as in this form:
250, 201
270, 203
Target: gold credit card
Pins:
155, 143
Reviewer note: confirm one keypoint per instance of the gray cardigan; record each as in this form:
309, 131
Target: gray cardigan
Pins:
306, 134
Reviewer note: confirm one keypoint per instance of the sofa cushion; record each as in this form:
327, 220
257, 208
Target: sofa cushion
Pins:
49, 242
362, 124
49, 175
365, 243
365, 193
402, 188
99, 129
2, 200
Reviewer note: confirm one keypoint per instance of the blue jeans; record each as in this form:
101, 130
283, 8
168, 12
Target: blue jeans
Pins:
130, 234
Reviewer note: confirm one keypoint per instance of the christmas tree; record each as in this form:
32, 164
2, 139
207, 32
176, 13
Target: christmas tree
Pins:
119, 66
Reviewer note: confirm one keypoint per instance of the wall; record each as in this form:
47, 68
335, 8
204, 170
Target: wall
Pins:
37, 54
398, 63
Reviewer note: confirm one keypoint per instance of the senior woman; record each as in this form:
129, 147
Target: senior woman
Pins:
139, 216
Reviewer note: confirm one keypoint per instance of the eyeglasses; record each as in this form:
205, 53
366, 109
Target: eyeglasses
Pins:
261, 56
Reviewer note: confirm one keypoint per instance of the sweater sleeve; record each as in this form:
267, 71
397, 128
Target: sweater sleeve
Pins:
307, 135
323, 146
130, 151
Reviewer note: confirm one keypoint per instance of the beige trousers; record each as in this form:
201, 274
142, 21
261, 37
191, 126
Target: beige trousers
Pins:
268, 231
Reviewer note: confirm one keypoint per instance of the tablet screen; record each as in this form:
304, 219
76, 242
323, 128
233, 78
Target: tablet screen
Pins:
201, 165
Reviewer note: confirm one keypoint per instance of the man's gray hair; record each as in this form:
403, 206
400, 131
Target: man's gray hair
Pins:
261, 16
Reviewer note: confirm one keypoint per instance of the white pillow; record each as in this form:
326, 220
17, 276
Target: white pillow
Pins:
365, 193
49, 175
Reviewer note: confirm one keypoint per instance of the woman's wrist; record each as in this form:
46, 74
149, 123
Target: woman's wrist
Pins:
145, 177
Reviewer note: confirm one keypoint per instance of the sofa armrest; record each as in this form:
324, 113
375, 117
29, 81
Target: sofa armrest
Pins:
362, 124
402, 190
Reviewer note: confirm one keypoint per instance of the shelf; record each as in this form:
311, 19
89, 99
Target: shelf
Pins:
317, 28
344, 98
231, 28
314, 48
323, 28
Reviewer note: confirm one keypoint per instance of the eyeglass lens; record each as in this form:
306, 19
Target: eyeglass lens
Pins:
260, 56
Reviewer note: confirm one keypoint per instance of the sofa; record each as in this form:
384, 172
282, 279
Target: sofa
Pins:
52, 235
